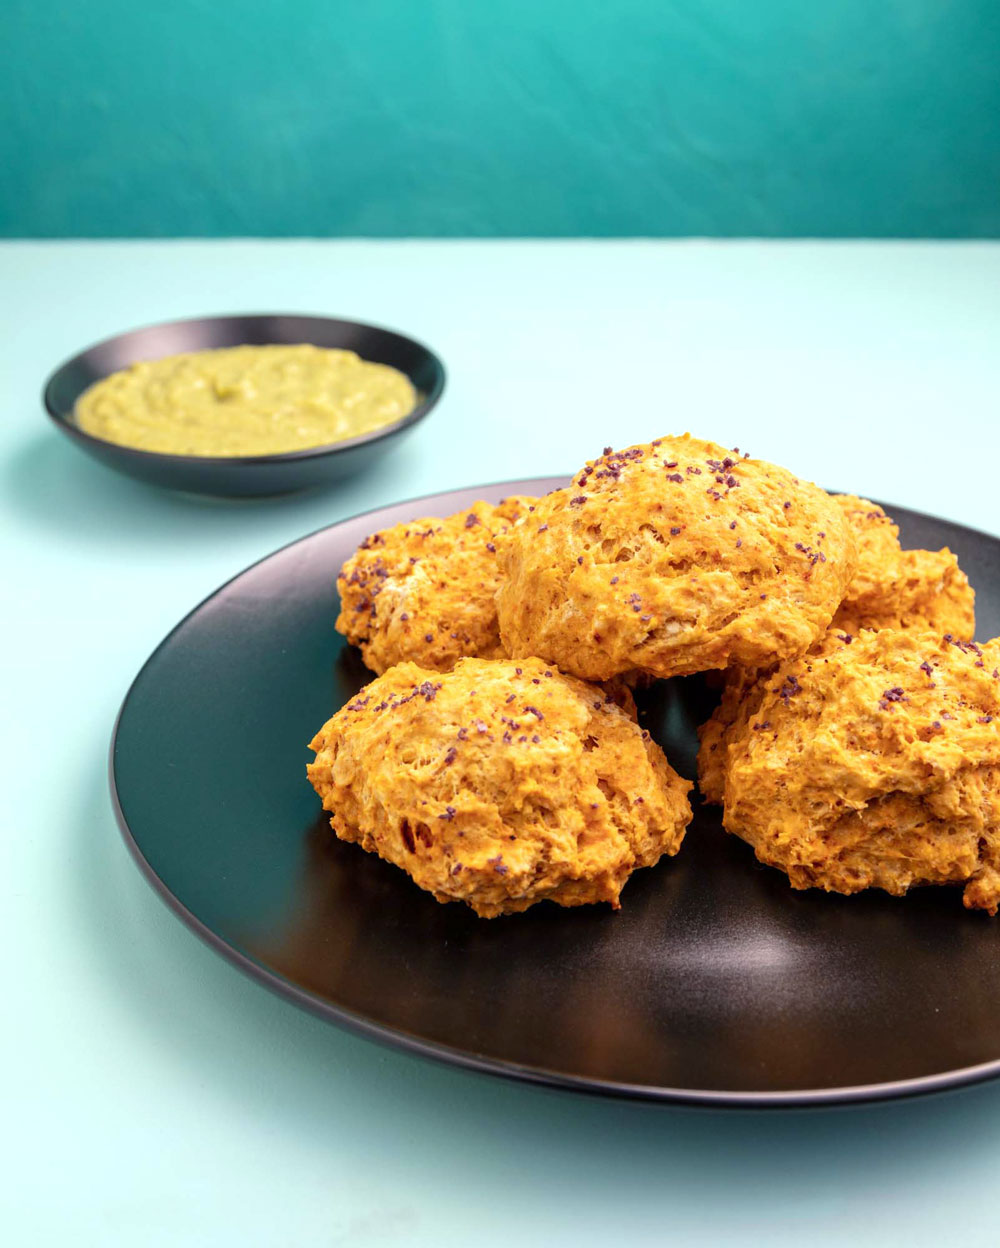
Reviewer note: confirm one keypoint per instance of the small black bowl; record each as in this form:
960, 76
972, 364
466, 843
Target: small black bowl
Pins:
249, 475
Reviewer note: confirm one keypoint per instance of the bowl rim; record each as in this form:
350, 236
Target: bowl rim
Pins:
64, 420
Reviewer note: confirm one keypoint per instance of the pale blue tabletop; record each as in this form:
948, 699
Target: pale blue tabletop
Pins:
152, 1094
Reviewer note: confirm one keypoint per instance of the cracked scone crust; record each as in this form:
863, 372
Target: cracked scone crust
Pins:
671, 558
891, 588
875, 765
499, 784
426, 590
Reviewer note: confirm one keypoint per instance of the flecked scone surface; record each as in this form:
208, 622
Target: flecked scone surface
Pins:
876, 764
499, 784
891, 588
670, 558
895, 588
426, 590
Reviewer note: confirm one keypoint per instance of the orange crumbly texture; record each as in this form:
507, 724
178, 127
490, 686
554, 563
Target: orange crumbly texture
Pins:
875, 764
741, 694
499, 784
425, 591
894, 588
671, 558
891, 588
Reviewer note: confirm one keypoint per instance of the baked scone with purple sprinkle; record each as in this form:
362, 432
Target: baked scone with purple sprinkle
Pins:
671, 558
499, 784
426, 591
874, 764
896, 588
891, 588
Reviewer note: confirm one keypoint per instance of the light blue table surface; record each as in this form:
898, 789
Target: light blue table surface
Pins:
152, 1095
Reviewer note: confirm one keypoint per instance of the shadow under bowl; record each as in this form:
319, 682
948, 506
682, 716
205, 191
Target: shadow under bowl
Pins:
250, 475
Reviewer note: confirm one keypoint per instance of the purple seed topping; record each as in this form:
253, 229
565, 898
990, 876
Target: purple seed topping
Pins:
789, 689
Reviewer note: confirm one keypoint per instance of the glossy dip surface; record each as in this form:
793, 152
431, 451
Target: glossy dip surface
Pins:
246, 400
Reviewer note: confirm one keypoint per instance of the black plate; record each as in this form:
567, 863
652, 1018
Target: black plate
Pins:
242, 476
716, 983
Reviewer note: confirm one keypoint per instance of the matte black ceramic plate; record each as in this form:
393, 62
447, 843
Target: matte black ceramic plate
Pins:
716, 983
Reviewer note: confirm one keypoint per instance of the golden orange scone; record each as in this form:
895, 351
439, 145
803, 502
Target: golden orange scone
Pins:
499, 784
671, 558
891, 588
875, 765
895, 588
426, 590
741, 694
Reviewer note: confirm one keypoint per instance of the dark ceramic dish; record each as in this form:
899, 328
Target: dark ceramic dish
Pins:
243, 476
716, 984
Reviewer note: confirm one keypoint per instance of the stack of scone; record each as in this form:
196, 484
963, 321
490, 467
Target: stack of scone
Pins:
497, 757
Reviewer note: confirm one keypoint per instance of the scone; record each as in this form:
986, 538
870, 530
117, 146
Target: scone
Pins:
426, 590
671, 558
742, 692
499, 784
895, 588
875, 765
891, 588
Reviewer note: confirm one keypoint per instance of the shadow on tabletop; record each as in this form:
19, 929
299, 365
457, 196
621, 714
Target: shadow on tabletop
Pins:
258, 1056
53, 484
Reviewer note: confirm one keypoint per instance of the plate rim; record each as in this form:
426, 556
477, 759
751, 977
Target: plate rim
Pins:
444, 1054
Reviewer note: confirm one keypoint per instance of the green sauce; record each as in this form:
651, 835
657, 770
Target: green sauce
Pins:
245, 401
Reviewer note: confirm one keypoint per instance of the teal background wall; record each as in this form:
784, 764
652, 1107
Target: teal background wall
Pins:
500, 117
